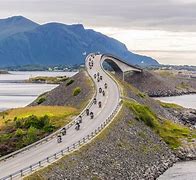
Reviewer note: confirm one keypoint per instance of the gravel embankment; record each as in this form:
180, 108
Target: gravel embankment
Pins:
156, 85
128, 149
63, 94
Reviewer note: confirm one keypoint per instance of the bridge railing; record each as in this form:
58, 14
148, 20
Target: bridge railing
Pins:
54, 157
123, 61
53, 135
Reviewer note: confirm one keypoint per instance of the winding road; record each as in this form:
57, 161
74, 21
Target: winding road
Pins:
109, 104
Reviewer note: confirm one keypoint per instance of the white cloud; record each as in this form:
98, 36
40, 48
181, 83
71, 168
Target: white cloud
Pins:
184, 1
165, 46
153, 39
144, 25
173, 15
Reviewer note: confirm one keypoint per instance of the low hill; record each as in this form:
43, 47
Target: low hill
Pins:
162, 83
63, 95
55, 43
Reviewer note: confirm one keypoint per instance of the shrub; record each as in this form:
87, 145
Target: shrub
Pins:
76, 91
18, 123
31, 136
142, 95
19, 132
5, 137
40, 100
49, 128
42, 122
69, 82
34, 121
30, 121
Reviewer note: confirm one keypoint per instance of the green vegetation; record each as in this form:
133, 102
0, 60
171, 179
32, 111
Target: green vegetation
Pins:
143, 113
170, 105
76, 91
39, 111
142, 95
23, 126
172, 133
40, 100
48, 80
70, 82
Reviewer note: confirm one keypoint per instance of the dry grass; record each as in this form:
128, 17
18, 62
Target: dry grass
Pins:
23, 126
165, 73
39, 111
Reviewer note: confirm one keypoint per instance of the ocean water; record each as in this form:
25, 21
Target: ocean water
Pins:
16, 76
15, 94
180, 171
188, 101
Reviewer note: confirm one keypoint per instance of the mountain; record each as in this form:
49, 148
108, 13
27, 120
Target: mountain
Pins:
15, 25
24, 42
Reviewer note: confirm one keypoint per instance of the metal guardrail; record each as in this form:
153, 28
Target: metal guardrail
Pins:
50, 159
52, 136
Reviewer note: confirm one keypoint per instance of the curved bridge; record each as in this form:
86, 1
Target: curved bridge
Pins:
119, 66
47, 151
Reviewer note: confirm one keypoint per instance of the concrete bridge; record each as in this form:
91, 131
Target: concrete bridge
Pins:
119, 66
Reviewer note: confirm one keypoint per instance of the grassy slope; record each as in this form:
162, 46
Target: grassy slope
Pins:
19, 113
172, 133
23, 126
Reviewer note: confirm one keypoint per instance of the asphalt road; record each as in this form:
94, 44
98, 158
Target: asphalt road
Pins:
109, 103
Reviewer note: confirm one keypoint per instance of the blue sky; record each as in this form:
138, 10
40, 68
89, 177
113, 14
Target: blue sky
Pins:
154, 27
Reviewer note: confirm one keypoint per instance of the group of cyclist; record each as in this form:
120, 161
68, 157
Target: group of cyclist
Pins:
88, 113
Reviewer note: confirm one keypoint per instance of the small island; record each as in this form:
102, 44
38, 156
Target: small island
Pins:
4, 72
48, 80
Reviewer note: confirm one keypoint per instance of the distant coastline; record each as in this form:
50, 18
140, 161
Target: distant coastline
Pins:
4, 72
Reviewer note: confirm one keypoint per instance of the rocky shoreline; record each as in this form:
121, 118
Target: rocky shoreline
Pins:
187, 117
170, 93
187, 152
